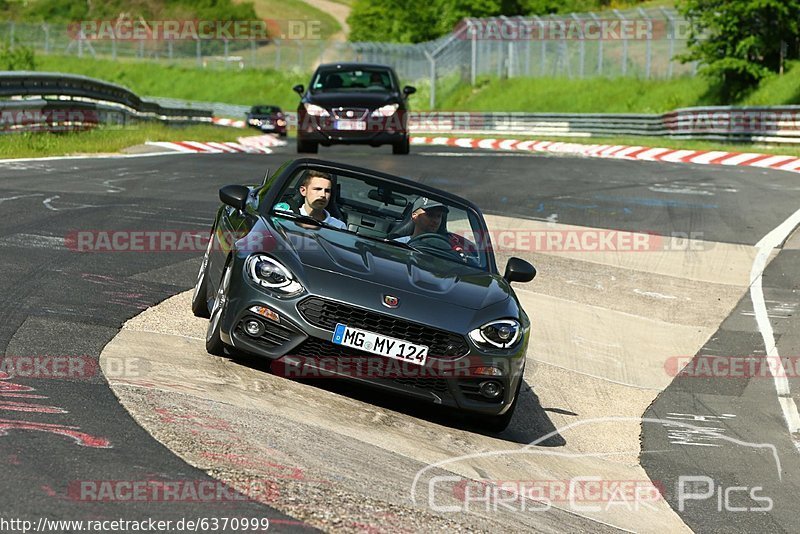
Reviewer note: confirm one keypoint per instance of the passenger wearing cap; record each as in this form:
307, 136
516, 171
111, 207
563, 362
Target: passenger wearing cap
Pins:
427, 216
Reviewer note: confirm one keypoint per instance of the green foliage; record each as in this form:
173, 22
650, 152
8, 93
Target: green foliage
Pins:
17, 57
739, 42
55, 11
413, 21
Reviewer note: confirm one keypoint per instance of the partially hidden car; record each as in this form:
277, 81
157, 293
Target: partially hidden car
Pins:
267, 118
366, 294
353, 103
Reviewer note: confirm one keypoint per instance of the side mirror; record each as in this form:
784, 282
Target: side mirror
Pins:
409, 90
518, 270
234, 196
299, 89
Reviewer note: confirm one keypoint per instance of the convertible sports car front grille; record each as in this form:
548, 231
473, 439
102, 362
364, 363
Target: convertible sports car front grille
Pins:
314, 348
325, 314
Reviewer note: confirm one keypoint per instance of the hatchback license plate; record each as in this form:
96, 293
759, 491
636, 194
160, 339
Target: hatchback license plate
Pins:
389, 347
350, 125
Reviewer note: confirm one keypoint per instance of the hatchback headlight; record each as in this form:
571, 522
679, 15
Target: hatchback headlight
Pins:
316, 111
268, 272
502, 334
385, 111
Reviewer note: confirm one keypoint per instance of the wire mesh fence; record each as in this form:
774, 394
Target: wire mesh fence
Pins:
640, 43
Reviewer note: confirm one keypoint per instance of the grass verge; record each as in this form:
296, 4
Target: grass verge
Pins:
107, 140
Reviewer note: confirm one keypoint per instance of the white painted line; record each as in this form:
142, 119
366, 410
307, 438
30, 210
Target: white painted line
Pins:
202, 147
705, 159
171, 146
625, 151
765, 247
771, 161
221, 146
740, 158
651, 154
677, 155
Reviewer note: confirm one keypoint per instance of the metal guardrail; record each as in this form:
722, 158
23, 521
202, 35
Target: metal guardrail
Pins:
56, 101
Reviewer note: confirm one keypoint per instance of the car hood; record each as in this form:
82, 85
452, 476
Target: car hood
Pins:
350, 99
421, 273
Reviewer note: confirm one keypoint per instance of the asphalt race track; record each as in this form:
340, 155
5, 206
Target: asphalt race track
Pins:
718, 446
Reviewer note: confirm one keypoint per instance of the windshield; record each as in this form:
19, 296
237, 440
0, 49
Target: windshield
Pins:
374, 79
265, 109
409, 219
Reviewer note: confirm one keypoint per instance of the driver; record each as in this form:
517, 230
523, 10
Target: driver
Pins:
427, 215
316, 192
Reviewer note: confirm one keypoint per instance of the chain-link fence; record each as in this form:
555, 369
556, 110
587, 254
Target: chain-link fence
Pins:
633, 43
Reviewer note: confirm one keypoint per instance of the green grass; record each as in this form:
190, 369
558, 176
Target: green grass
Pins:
297, 10
107, 140
589, 95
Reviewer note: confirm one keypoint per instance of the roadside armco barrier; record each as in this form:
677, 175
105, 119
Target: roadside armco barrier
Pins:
34, 101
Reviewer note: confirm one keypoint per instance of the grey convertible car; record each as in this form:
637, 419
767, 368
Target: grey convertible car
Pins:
334, 270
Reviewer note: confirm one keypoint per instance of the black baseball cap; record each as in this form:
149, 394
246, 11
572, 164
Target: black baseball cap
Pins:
425, 203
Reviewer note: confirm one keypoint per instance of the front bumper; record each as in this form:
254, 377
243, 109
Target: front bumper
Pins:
299, 349
377, 132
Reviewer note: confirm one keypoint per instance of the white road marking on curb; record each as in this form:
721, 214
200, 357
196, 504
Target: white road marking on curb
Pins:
765, 247
171, 146
652, 154
677, 156
705, 159
771, 161
625, 151
740, 158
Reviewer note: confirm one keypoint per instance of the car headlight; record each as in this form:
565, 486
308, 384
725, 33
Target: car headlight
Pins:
269, 273
255, 122
503, 334
281, 122
385, 111
316, 111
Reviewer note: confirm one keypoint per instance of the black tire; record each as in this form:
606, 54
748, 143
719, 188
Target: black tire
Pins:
214, 343
306, 147
282, 134
498, 423
200, 295
401, 148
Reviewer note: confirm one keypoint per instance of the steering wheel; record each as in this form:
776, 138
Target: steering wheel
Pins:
441, 243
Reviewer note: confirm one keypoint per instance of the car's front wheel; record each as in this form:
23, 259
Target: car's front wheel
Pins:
214, 343
402, 147
306, 147
200, 295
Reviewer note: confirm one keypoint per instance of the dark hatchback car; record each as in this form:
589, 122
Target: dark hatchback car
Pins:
364, 296
353, 103
268, 119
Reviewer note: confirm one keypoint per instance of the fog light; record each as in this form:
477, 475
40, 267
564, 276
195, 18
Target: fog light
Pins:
253, 328
491, 389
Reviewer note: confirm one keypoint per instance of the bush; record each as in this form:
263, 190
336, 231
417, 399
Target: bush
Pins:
17, 57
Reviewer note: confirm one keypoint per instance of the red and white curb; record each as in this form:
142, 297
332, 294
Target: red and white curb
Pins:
210, 147
639, 153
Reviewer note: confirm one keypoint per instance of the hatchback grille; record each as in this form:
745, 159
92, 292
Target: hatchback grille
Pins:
350, 113
326, 314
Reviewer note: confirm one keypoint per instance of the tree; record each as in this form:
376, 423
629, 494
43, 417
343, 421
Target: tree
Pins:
739, 42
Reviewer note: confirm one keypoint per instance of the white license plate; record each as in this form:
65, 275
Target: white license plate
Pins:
350, 125
377, 344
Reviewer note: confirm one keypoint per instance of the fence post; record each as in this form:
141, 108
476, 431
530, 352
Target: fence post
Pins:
80, 44
277, 54
253, 52
433, 79
649, 44
582, 49
198, 52
46, 29
624, 46
169, 49
11, 28
225, 52
671, 35
474, 49
599, 43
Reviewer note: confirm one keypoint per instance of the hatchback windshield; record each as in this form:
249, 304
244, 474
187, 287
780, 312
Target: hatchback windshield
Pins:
353, 80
